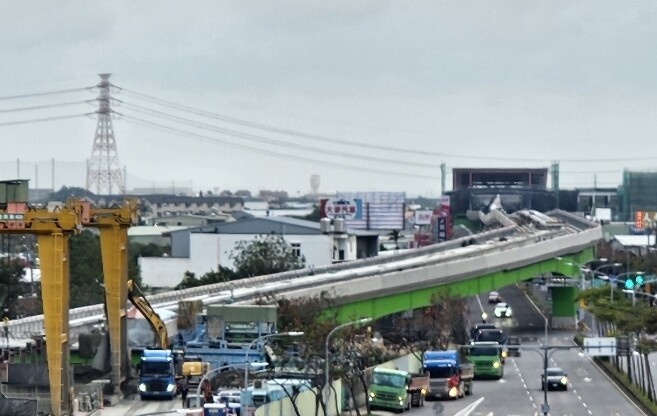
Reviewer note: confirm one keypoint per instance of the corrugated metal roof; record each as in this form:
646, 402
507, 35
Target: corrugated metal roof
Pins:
266, 225
635, 240
152, 230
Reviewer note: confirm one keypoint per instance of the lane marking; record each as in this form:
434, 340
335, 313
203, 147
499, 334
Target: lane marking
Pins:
613, 383
467, 410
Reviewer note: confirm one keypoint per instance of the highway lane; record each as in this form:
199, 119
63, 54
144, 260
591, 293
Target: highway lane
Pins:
590, 392
134, 406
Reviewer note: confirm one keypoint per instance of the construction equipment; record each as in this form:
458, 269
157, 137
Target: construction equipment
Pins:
137, 298
194, 369
53, 229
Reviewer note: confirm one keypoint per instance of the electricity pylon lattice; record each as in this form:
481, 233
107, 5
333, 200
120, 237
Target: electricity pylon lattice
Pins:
104, 174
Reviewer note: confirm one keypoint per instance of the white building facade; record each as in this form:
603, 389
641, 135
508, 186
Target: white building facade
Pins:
204, 249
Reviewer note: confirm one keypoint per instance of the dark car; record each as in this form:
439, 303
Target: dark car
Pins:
513, 346
557, 379
475, 329
494, 335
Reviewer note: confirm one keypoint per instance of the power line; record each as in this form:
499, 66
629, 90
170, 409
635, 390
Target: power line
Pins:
41, 94
334, 140
271, 153
316, 137
274, 142
41, 120
40, 107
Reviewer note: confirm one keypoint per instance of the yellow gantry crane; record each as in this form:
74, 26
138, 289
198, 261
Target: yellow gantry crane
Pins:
112, 224
53, 229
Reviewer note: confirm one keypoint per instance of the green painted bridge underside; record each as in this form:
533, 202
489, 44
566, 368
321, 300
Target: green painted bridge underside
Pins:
420, 298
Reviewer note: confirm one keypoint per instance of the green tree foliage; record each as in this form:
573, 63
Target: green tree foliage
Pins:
86, 269
65, 192
136, 250
266, 254
625, 317
11, 272
395, 236
224, 274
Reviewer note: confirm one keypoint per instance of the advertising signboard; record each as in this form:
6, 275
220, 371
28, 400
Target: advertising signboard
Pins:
645, 219
375, 211
347, 208
423, 217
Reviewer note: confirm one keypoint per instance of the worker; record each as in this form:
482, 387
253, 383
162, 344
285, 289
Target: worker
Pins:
183, 386
5, 322
207, 391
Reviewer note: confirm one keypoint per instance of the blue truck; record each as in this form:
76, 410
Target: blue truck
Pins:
449, 377
157, 374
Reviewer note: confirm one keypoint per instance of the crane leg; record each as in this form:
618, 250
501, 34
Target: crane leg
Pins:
55, 287
114, 248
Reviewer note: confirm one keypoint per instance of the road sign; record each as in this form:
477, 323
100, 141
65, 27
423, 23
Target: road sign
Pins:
600, 346
623, 345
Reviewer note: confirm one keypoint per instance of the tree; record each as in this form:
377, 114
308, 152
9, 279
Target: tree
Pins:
395, 235
224, 274
11, 273
264, 255
86, 267
86, 270
447, 318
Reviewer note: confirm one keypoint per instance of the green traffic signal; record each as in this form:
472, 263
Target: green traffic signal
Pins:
639, 280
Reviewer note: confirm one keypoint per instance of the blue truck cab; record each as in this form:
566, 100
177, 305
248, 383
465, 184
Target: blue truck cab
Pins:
157, 374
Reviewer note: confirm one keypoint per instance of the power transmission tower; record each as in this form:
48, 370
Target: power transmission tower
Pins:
104, 173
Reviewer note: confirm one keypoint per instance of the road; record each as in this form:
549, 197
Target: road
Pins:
133, 406
519, 392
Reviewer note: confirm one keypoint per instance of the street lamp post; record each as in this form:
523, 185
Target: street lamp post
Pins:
326, 354
546, 406
207, 375
262, 338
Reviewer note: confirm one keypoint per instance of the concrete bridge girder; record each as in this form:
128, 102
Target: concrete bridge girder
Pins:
390, 303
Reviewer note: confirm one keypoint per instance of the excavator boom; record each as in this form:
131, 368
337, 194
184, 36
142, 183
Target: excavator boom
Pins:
137, 298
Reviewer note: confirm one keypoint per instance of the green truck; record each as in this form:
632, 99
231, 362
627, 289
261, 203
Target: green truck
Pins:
487, 359
397, 390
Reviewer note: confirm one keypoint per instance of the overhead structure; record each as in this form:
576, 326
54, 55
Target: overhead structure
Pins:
104, 174
53, 230
113, 224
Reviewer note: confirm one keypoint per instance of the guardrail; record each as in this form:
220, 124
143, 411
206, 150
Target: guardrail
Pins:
33, 325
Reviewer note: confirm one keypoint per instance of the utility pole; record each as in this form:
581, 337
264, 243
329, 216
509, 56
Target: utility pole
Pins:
104, 173
443, 179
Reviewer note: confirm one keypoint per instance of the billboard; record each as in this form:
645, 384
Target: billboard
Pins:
441, 220
378, 210
422, 217
347, 208
645, 219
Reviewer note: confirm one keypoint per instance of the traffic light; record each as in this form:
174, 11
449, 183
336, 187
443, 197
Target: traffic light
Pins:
636, 282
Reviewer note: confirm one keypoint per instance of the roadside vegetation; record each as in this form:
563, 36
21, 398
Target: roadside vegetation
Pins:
638, 325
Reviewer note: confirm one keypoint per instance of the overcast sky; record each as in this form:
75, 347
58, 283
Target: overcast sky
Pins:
467, 83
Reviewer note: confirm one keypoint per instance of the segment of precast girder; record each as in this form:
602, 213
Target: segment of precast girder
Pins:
113, 224
53, 230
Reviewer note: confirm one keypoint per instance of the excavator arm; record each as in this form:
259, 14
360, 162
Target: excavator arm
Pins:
137, 298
